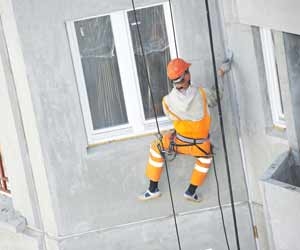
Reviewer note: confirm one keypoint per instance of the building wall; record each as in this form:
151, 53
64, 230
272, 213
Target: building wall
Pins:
274, 14
262, 144
91, 192
89, 189
13, 241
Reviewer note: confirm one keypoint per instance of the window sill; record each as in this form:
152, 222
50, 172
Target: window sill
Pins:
10, 219
121, 135
277, 131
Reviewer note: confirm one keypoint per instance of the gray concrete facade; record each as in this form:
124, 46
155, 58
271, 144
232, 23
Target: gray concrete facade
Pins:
262, 143
78, 196
281, 181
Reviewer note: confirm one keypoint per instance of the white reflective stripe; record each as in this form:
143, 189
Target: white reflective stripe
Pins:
201, 169
155, 154
155, 164
205, 160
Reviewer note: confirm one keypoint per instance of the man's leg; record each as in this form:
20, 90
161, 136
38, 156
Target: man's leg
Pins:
198, 176
155, 162
154, 168
153, 186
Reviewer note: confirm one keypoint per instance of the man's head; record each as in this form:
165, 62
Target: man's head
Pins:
178, 73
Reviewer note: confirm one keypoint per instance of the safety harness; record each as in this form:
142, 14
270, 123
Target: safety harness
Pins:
170, 153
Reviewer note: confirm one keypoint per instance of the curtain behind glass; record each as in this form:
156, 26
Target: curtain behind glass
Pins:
152, 27
101, 72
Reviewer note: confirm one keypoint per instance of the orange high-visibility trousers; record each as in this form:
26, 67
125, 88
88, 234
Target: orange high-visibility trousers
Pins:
156, 161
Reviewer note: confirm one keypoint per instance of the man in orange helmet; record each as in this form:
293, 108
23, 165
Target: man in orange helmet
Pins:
187, 107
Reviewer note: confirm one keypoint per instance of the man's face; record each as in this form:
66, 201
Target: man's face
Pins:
184, 83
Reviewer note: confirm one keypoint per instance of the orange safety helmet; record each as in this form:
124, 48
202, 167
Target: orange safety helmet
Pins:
176, 68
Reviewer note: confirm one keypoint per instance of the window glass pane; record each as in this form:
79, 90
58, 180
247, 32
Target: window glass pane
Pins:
101, 72
277, 71
153, 31
270, 44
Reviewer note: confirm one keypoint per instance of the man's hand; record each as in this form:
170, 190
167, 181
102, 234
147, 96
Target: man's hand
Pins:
221, 72
226, 64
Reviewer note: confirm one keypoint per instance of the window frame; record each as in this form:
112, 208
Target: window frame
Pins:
137, 124
4, 185
272, 77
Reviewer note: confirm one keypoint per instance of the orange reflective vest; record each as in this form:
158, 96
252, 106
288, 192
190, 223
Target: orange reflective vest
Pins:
192, 129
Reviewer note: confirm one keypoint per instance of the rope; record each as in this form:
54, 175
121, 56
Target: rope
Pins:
222, 125
161, 148
158, 130
173, 28
145, 64
219, 199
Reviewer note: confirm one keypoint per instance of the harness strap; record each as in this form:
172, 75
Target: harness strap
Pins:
191, 140
188, 142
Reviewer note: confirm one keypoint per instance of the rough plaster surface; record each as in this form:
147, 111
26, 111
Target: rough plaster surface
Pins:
282, 216
260, 142
91, 190
200, 230
260, 222
260, 148
13, 241
280, 183
10, 219
292, 50
97, 188
275, 14
282, 202
17, 160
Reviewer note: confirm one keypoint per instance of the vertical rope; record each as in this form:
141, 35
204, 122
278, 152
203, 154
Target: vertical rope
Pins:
145, 64
158, 130
222, 125
219, 198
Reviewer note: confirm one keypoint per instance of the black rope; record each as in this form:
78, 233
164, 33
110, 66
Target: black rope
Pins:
171, 196
158, 130
173, 27
222, 125
145, 64
219, 199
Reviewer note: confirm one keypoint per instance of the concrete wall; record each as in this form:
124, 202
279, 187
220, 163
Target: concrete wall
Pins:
160, 234
292, 49
13, 241
93, 196
261, 143
274, 14
17, 159
281, 180
89, 189
19, 136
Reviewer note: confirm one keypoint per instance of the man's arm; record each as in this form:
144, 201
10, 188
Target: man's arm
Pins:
211, 93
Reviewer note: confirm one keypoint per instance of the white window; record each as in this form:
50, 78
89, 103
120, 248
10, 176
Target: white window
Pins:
109, 64
271, 67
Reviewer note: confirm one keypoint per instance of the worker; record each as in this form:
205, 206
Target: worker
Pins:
187, 107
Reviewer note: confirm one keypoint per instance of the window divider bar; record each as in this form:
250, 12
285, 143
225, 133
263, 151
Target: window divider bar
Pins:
127, 67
